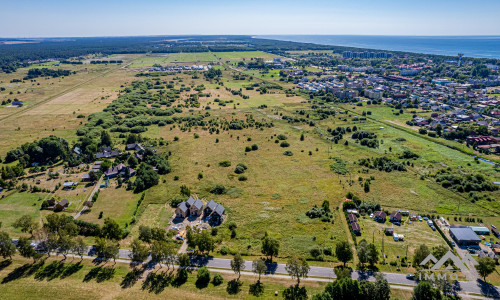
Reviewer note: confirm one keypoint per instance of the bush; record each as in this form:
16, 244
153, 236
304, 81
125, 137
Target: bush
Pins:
288, 153
242, 178
281, 137
255, 147
284, 144
224, 250
225, 163
239, 170
203, 277
218, 189
218, 279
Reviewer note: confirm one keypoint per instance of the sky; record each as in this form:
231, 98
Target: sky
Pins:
71, 18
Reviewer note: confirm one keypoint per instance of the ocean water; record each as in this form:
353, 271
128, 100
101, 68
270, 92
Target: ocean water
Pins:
470, 46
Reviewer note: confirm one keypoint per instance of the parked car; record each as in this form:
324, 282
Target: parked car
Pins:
493, 226
453, 243
410, 276
433, 228
180, 238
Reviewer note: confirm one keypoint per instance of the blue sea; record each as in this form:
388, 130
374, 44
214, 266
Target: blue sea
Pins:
470, 46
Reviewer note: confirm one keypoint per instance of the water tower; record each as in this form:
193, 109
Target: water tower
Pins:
460, 59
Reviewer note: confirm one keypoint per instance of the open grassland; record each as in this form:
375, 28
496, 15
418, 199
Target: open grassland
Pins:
170, 58
72, 279
243, 55
115, 202
64, 99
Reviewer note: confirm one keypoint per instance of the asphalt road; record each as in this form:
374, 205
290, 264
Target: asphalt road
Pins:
462, 287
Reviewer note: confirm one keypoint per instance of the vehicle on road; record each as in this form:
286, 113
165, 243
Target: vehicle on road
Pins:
410, 276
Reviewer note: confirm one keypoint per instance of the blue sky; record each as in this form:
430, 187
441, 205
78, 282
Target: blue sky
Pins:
46, 18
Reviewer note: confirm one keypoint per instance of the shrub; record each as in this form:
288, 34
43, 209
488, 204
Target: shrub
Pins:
242, 178
255, 147
284, 144
288, 153
218, 189
218, 279
239, 170
281, 137
203, 277
224, 250
225, 163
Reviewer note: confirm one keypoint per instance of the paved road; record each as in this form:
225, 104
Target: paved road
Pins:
463, 287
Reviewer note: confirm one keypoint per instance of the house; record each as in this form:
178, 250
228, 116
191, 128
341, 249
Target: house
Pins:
135, 146
395, 217
217, 215
190, 201
68, 185
85, 177
389, 231
210, 207
464, 236
196, 208
182, 210
61, 205
380, 216
107, 154
121, 170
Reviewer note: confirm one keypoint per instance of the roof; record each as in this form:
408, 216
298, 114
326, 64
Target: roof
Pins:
70, 184
190, 201
63, 202
198, 204
212, 205
479, 228
182, 206
220, 209
396, 215
380, 214
352, 218
355, 226
464, 234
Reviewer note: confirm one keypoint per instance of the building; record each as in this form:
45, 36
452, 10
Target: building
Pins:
480, 230
61, 205
395, 217
380, 216
182, 210
464, 236
69, 185
121, 170
389, 231
355, 228
196, 208
352, 218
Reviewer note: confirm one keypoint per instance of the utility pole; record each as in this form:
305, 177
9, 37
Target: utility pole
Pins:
406, 255
373, 239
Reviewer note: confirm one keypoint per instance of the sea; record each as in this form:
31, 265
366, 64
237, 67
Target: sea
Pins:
470, 46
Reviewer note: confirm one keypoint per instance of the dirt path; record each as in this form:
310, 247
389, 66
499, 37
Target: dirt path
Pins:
348, 230
84, 208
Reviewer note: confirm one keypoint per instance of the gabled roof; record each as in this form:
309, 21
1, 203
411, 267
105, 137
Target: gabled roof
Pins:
396, 215
190, 201
198, 204
212, 205
220, 209
182, 206
380, 214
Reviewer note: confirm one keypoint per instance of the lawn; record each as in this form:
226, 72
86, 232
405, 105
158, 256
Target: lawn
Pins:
243, 55
114, 202
73, 280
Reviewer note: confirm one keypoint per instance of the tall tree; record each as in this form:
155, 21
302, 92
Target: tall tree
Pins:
26, 224
106, 139
25, 248
270, 246
486, 266
7, 248
297, 268
111, 229
259, 267
79, 247
343, 252
425, 291
139, 251
237, 264
420, 254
